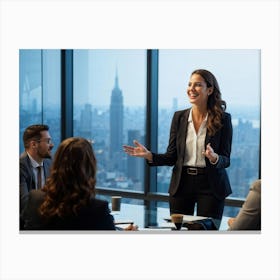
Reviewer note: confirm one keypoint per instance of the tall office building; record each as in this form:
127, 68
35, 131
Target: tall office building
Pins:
85, 127
116, 126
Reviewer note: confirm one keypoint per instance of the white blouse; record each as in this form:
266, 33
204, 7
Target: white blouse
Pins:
195, 144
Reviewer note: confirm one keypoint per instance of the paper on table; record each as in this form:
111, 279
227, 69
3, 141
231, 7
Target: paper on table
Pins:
123, 222
165, 225
188, 218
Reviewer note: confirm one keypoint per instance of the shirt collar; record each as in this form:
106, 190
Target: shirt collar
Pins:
190, 117
34, 163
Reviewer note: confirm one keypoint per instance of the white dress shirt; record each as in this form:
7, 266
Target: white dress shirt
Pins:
195, 144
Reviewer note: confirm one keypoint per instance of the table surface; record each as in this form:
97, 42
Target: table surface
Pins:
135, 214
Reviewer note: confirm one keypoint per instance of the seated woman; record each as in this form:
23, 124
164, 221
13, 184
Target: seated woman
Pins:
67, 201
249, 216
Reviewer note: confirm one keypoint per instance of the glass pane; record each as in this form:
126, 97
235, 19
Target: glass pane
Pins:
30, 90
51, 94
231, 211
162, 212
238, 75
109, 110
39, 91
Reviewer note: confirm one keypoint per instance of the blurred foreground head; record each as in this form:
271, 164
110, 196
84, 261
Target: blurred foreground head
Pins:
72, 180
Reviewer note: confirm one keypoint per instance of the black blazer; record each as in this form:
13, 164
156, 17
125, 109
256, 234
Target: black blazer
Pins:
27, 178
174, 155
95, 216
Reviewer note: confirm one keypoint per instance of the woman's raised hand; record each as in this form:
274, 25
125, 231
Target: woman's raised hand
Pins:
138, 151
210, 154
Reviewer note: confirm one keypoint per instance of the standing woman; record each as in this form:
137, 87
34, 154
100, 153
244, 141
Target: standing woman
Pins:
199, 149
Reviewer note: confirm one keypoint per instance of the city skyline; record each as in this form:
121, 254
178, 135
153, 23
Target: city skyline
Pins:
111, 125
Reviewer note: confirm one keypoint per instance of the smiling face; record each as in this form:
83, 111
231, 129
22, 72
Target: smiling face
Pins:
198, 91
41, 148
44, 145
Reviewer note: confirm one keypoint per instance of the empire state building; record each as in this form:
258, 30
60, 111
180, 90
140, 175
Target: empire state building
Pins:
116, 123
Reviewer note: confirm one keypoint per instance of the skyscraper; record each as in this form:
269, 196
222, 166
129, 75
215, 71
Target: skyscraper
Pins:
116, 126
85, 127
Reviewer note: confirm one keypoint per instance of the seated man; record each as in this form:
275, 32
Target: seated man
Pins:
35, 161
249, 216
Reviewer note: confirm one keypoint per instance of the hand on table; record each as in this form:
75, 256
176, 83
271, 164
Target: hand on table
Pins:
131, 227
230, 221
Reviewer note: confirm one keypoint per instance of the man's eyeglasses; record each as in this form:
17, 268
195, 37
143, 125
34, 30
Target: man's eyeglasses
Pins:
47, 140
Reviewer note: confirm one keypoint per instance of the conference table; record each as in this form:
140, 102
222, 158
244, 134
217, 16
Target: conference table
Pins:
134, 214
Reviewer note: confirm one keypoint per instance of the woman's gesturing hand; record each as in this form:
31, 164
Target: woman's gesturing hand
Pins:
138, 151
210, 154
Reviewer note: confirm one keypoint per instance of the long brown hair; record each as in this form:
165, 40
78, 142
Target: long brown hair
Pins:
215, 105
72, 180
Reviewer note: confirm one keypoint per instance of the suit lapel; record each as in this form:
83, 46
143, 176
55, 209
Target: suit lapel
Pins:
207, 139
182, 132
31, 173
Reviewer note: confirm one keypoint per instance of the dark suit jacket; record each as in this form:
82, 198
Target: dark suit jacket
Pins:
27, 179
95, 216
220, 142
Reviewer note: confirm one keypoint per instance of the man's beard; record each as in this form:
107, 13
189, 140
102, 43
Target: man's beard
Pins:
44, 155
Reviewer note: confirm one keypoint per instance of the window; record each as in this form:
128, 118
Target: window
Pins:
39, 91
109, 110
238, 75
109, 101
